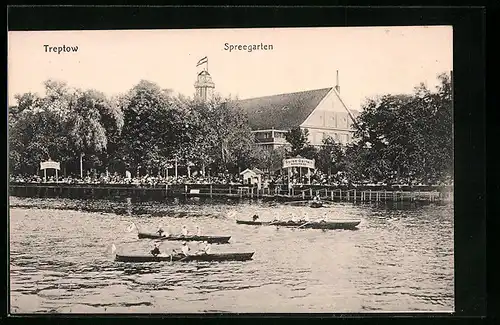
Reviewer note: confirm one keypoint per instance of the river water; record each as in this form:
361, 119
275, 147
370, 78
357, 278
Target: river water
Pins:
399, 260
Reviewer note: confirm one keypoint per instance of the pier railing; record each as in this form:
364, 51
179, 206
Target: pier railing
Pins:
274, 192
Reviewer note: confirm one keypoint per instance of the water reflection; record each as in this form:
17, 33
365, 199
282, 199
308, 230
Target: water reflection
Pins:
400, 259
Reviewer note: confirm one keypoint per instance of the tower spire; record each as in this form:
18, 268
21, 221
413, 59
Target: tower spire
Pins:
337, 86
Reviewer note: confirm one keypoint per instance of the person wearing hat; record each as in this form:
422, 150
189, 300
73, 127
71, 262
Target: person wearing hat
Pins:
198, 231
155, 251
184, 231
185, 249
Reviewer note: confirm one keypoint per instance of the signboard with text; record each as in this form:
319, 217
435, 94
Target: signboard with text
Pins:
50, 165
298, 162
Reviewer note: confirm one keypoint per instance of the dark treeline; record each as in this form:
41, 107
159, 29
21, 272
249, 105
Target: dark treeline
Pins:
399, 138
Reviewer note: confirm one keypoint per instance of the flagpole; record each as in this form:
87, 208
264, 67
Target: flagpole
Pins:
207, 64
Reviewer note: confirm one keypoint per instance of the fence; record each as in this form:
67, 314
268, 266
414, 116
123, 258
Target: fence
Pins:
278, 192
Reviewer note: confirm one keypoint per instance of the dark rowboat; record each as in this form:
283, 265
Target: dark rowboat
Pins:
183, 258
337, 224
210, 239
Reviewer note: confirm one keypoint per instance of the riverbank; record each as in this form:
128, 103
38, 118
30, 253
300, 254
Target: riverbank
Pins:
276, 193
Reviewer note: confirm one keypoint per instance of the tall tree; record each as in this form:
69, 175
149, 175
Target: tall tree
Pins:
221, 134
85, 124
330, 157
152, 127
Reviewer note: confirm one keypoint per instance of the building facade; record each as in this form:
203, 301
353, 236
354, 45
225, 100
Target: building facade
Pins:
321, 111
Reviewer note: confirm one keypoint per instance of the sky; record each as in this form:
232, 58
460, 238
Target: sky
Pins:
371, 60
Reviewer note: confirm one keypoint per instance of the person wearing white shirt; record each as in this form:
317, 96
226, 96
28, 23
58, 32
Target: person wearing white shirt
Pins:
198, 231
184, 230
207, 248
185, 249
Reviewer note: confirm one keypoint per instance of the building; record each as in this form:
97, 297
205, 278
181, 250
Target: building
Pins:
252, 176
321, 111
204, 86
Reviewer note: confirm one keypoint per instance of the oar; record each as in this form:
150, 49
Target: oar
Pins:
132, 227
182, 259
304, 224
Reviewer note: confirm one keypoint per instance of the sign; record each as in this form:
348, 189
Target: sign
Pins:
298, 162
50, 165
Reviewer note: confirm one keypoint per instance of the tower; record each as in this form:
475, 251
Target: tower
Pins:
204, 86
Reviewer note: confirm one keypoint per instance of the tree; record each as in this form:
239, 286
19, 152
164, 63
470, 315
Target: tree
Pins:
38, 129
269, 159
330, 157
152, 127
85, 126
297, 138
221, 136
408, 138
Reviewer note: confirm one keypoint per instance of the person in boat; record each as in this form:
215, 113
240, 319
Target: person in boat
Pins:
185, 249
160, 231
184, 231
255, 217
207, 247
198, 231
155, 251
277, 218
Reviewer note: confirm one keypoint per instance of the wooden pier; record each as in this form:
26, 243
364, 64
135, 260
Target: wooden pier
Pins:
277, 193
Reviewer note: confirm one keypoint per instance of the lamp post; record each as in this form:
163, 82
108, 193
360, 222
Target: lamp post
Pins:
81, 164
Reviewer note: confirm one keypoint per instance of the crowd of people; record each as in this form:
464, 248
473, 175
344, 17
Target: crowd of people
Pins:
296, 179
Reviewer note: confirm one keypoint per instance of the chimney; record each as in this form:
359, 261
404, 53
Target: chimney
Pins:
337, 87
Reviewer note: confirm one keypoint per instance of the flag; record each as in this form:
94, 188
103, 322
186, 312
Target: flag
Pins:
203, 60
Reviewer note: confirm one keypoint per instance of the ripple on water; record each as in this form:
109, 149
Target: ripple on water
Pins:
398, 260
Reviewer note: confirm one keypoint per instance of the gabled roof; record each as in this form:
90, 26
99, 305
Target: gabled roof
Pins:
284, 111
255, 171
247, 171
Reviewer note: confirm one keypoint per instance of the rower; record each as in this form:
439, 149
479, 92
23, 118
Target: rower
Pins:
160, 231
184, 230
255, 217
185, 249
207, 248
198, 231
155, 251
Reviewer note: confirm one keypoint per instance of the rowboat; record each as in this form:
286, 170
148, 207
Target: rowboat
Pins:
210, 239
223, 257
309, 203
337, 224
